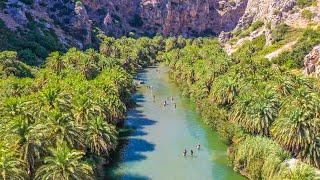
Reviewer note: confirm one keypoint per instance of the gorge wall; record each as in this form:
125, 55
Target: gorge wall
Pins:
74, 22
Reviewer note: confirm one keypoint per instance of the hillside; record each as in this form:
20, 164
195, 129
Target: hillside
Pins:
71, 70
50, 25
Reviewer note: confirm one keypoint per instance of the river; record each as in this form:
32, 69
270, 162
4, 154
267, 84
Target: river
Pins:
155, 136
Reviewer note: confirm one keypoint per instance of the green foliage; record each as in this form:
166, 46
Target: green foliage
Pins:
10, 65
32, 44
66, 113
265, 113
136, 21
133, 53
64, 164
297, 172
253, 157
249, 49
243, 33
3, 4
28, 2
305, 3
294, 59
279, 32
307, 14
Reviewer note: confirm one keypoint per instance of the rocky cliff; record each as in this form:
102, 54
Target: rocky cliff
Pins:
74, 22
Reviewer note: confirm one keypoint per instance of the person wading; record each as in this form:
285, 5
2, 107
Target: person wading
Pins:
198, 146
184, 152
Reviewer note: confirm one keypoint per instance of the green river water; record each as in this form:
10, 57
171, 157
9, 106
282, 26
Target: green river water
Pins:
155, 136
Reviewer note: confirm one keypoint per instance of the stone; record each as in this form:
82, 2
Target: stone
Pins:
311, 61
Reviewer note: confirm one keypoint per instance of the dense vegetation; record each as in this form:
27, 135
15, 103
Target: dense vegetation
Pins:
267, 113
33, 43
60, 121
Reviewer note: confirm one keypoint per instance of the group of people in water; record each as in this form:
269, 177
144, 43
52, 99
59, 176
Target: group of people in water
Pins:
165, 102
185, 152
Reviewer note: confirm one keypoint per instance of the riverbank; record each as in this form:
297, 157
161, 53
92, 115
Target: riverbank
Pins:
155, 137
260, 110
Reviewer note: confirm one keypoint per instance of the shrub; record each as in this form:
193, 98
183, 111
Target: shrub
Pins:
279, 32
305, 3
307, 14
136, 21
294, 58
252, 154
28, 2
28, 57
10, 65
254, 26
3, 4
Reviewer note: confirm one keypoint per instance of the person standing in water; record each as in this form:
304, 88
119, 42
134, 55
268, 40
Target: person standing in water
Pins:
198, 146
165, 103
175, 105
184, 152
191, 152
154, 98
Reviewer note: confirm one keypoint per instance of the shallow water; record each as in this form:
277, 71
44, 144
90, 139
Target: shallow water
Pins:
155, 136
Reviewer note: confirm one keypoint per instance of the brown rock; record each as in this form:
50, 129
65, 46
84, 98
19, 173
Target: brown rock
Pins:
311, 61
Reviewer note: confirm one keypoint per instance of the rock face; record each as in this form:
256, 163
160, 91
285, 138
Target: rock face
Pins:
270, 11
311, 61
74, 22
167, 17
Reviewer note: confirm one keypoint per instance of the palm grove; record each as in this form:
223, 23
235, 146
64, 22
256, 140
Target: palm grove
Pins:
266, 110
60, 121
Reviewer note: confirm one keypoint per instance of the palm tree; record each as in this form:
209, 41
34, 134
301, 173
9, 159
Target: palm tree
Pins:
27, 139
114, 108
283, 84
225, 90
52, 96
59, 126
84, 108
55, 62
296, 172
101, 137
11, 167
255, 112
298, 125
64, 164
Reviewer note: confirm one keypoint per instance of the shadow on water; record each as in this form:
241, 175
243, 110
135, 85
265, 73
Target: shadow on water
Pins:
134, 177
131, 147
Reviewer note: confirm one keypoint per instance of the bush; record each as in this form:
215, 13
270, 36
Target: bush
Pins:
254, 26
307, 14
136, 21
294, 58
3, 4
252, 155
33, 44
305, 3
28, 57
28, 2
279, 32
10, 65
